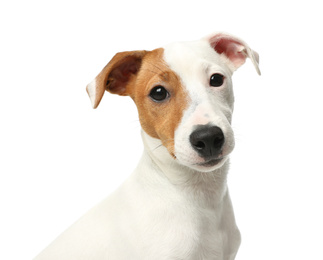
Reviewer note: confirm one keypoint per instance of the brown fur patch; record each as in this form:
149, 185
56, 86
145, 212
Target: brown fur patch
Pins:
136, 73
159, 119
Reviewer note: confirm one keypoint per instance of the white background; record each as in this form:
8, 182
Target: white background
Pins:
59, 157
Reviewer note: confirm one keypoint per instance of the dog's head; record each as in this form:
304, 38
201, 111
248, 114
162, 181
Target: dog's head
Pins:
183, 93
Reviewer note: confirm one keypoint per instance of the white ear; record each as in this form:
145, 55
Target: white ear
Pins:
234, 49
95, 93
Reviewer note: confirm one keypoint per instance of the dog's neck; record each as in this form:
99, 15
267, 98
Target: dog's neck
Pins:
210, 185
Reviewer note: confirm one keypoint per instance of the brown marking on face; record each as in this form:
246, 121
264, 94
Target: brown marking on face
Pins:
135, 74
159, 119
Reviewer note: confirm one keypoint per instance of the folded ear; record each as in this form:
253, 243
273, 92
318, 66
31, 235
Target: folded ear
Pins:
116, 76
234, 49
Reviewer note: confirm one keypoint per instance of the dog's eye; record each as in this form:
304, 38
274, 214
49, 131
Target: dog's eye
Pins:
216, 80
159, 93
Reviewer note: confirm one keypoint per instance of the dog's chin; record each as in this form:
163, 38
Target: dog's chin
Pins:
207, 165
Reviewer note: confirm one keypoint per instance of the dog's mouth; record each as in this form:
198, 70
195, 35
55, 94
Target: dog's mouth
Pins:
210, 163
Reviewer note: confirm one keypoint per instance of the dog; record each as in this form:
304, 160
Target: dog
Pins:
176, 204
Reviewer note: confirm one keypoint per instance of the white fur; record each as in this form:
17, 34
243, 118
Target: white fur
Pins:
91, 89
168, 208
163, 211
195, 62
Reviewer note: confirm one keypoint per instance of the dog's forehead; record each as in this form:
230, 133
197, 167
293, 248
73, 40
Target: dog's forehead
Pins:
194, 62
188, 58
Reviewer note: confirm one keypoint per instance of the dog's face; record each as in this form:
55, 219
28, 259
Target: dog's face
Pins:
183, 93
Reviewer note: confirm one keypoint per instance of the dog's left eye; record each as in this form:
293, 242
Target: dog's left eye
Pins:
216, 80
159, 93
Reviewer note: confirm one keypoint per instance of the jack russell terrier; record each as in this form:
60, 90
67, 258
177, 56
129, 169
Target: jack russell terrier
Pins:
176, 203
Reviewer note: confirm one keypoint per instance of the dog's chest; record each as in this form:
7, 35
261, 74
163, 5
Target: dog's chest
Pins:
188, 234
180, 228
200, 235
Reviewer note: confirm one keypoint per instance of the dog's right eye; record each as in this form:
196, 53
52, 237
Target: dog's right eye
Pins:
159, 93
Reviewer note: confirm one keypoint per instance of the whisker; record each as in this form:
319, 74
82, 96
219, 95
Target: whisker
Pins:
163, 143
158, 146
135, 124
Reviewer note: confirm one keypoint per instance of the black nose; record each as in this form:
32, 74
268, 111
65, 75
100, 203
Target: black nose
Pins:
207, 141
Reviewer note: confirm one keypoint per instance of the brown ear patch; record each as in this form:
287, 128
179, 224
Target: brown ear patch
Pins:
122, 73
116, 75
